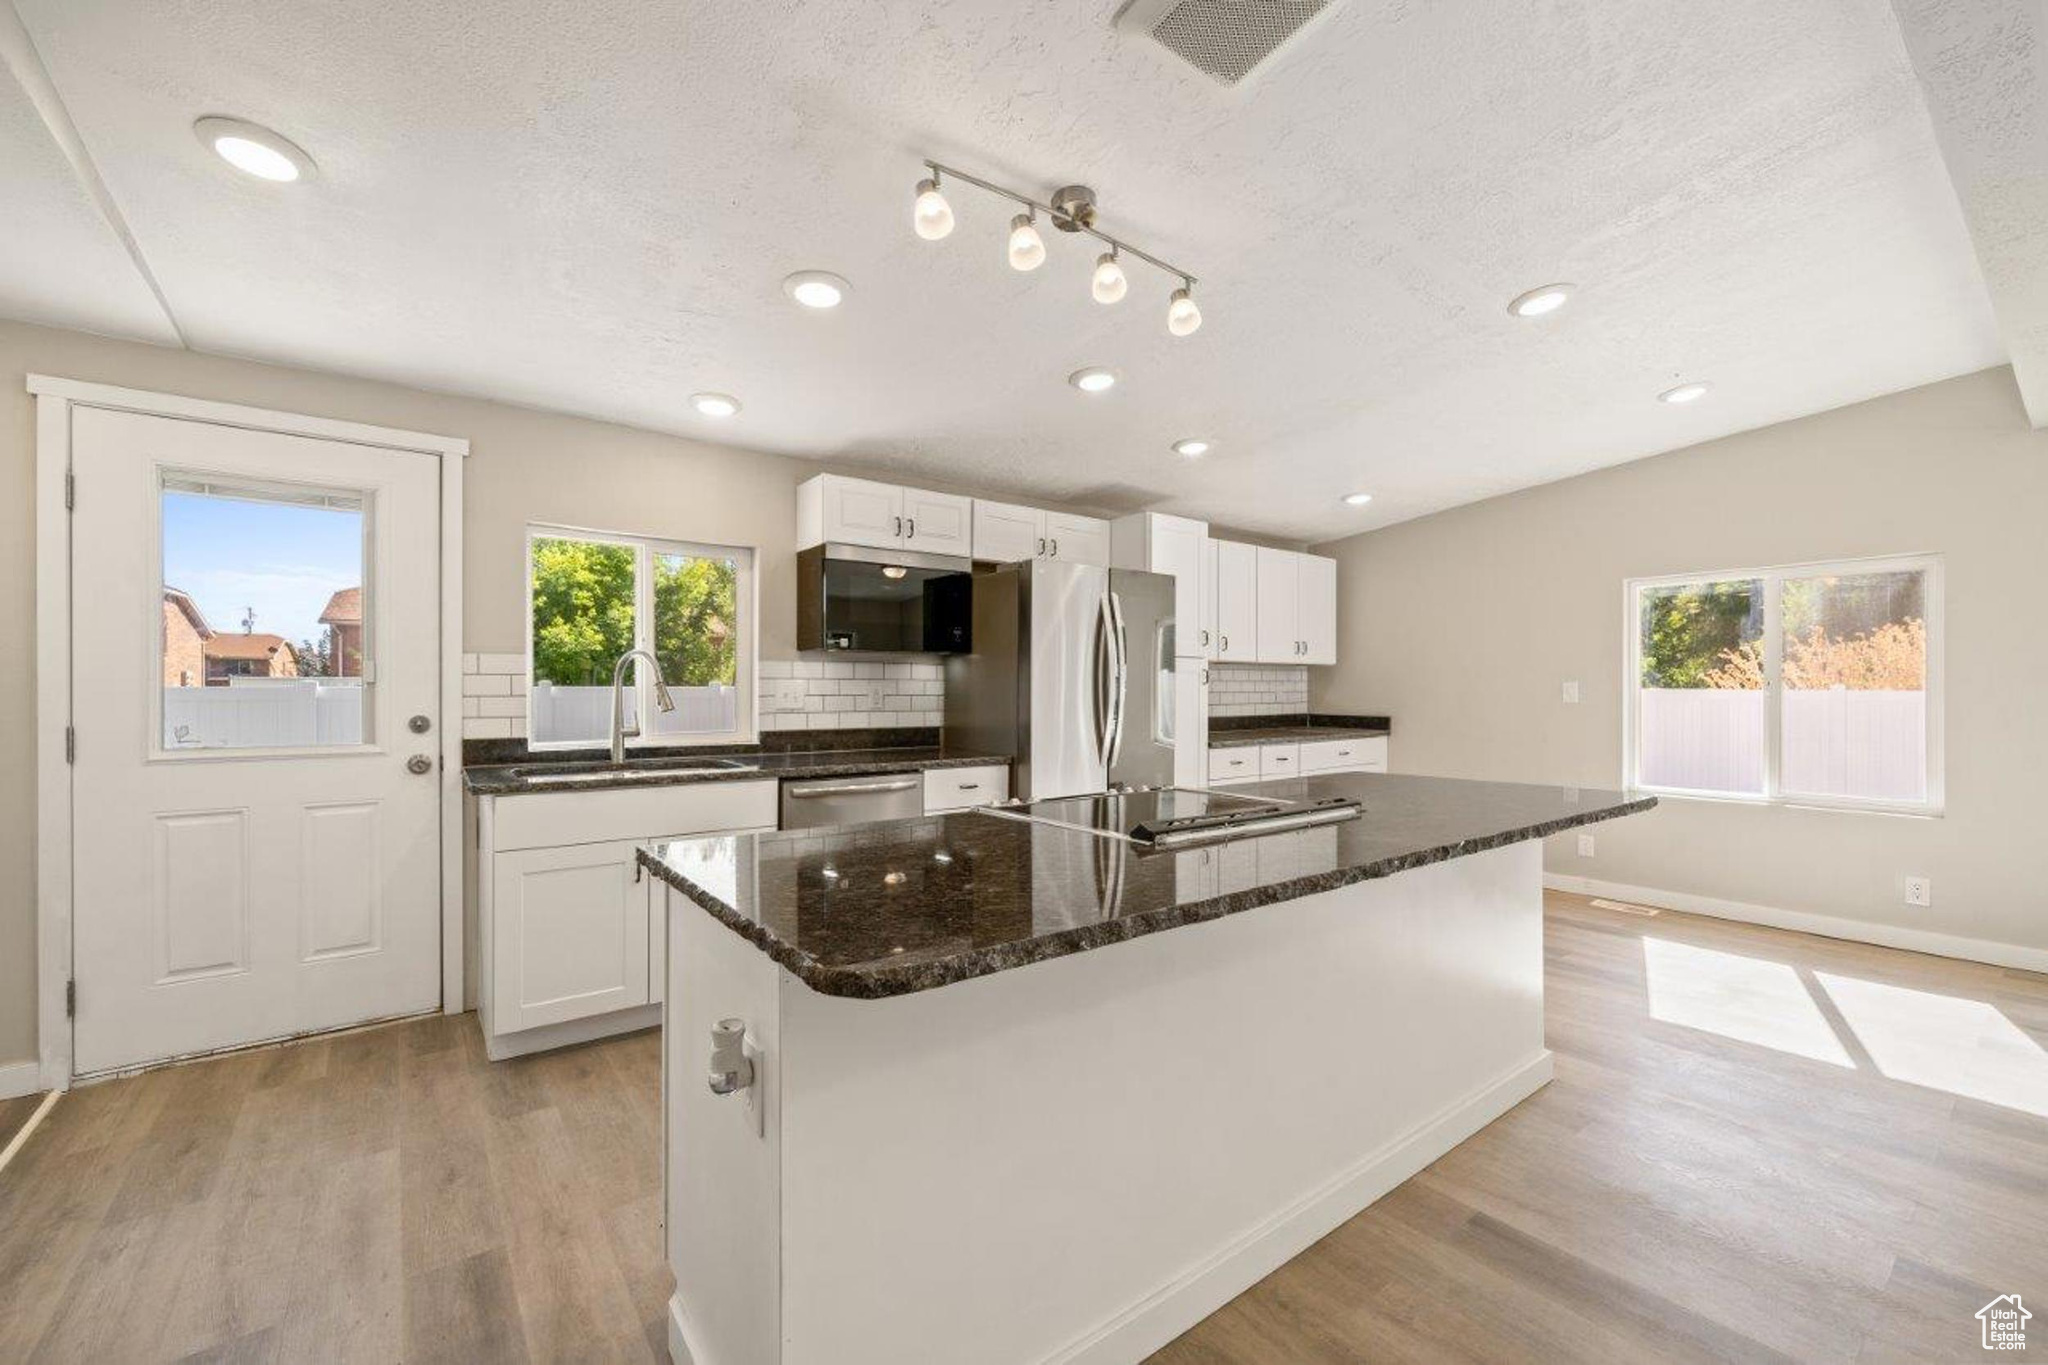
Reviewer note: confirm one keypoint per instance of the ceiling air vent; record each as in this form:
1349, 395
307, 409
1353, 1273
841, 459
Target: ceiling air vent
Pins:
1225, 40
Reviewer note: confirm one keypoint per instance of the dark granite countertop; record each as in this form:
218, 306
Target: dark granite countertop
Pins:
506, 779
1290, 734
890, 909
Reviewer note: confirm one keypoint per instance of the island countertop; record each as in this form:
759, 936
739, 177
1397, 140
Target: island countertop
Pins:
890, 909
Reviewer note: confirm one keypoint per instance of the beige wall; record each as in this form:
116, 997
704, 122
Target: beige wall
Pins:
524, 466
1463, 626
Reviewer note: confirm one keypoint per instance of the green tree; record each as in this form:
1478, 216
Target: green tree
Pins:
1688, 631
696, 602
582, 610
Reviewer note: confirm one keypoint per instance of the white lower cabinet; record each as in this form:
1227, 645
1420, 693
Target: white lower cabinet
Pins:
1230, 765
964, 788
570, 933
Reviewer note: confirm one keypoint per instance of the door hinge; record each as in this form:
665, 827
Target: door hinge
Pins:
71, 998
71, 744
70, 491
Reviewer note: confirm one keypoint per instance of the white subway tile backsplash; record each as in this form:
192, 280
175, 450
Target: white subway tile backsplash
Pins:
486, 685
501, 663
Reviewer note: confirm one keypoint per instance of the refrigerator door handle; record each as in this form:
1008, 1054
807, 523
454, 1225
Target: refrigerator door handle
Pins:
1105, 671
1122, 685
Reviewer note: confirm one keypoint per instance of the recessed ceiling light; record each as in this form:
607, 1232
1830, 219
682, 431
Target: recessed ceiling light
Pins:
254, 150
1685, 393
817, 288
1192, 449
1357, 499
1544, 298
715, 404
1094, 379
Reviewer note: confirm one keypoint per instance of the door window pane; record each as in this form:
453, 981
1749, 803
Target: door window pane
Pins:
1702, 718
696, 638
583, 620
261, 636
1855, 686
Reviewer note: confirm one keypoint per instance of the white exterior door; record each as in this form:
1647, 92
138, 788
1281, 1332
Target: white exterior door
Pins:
255, 644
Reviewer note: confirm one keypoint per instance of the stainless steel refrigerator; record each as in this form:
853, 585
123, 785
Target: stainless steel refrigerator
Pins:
1071, 674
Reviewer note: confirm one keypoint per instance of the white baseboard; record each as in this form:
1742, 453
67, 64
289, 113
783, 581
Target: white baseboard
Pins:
20, 1078
1827, 926
680, 1350
1176, 1306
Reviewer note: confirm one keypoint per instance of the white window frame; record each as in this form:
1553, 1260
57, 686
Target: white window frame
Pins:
1929, 565
745, 593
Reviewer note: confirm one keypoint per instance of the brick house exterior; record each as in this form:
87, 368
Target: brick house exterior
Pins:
185, 637
343, 618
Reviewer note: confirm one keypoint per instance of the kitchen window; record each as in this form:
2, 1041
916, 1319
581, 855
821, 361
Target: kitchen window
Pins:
1810, 685
593, 596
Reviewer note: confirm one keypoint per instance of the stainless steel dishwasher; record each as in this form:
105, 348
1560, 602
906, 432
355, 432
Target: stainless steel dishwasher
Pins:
852, 800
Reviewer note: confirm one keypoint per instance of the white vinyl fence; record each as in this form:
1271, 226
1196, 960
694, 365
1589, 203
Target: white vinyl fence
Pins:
558, 714
264, 713
1835, 742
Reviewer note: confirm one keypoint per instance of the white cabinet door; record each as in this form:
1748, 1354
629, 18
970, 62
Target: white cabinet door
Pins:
937, 523
1208, 621
1177, 549
1318, 609
1082, 540
1006, 533
569, 934
1190, 723
860, 512
1279, 618
1237, 604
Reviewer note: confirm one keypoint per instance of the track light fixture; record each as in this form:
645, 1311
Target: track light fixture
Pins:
1071, 209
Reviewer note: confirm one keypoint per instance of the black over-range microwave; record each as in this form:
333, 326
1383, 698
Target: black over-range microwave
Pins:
850, 597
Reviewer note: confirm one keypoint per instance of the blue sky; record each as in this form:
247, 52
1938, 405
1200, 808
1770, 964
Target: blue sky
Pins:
283, 561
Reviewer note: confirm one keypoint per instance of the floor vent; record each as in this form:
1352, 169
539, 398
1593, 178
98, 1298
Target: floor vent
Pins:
1223, 39
1626, 908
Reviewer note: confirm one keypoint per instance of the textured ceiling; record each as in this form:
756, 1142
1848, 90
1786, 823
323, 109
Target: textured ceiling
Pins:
590, 205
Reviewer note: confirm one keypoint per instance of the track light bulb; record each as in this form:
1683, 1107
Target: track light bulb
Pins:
1109, 283
1027, 248
933, 216
1182, 317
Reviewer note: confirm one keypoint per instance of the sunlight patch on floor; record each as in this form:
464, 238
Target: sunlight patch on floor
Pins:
1745, 998
1945, 1042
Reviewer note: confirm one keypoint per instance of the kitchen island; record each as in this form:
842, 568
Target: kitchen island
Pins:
1019, 1091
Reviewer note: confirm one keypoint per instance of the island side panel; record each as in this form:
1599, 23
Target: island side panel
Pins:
1079, 1159
721, 1197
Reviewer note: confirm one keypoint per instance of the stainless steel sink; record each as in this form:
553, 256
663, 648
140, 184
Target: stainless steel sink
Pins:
607, 775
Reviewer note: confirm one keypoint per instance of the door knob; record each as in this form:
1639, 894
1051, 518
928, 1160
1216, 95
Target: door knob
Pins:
419, 765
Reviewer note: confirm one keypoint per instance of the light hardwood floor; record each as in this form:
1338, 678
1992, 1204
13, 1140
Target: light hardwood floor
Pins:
1686, 1189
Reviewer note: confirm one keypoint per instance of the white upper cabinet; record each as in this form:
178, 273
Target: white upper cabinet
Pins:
1296, 607
1236, 629
1168, 545
885, 516
1083, 540
1007, 532
937, 523
1279, 622
1316, 609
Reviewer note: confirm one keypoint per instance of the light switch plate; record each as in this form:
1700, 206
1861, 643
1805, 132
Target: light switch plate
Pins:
1585, 845
1571, 692
788, 694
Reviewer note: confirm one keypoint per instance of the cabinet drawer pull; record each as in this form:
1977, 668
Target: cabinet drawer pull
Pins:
970, 786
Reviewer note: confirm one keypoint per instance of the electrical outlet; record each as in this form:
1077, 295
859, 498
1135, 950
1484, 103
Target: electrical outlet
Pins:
1919, 891
788, 694
1571, 692
1585, 845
